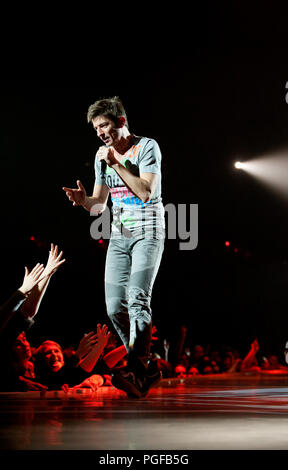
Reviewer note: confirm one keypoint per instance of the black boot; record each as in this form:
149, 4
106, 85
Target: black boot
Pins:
128, 382
154, 375
132, 378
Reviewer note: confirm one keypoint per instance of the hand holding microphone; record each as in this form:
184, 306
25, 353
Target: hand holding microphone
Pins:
106, 157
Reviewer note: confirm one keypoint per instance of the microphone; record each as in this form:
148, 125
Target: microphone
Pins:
103, 168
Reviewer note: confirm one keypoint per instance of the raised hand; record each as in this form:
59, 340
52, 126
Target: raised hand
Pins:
88, 362
154, 331
86, 344
54, 261
76, 195
255, 346
166, 344
41, 277
31, 279
102, 335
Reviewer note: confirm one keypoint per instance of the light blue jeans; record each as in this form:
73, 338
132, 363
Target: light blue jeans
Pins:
131, 268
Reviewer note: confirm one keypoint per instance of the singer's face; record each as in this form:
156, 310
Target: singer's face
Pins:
106, 130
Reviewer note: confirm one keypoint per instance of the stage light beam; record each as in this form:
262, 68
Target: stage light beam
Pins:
271, 170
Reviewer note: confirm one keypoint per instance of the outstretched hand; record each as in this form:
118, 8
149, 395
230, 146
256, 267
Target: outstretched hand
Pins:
54, 261
31, 279
103, 335
86, 344
40, 273
76, 195
255, 346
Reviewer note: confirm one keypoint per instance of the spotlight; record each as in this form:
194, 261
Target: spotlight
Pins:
238, 165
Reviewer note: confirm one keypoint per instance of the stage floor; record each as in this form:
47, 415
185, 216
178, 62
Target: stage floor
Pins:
203, 413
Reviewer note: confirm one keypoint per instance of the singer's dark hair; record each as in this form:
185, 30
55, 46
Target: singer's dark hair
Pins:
110, 107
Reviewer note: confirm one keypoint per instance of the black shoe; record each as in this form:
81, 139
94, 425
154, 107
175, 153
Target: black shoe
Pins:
149, 381
128, 382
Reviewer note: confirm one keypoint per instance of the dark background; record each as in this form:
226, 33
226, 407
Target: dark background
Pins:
212, 102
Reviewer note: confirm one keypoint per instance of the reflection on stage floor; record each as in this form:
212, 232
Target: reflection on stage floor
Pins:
201, 413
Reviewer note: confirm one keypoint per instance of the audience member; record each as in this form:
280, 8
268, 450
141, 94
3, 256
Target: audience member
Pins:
22, 355
17, 316
52, 370
49, 367
272, 363
250, 362
197, 356
215, 357
180, 371
164, 367
231, 361
192, 371
13, 304
180, 342
184, 360
202, 361
207, 366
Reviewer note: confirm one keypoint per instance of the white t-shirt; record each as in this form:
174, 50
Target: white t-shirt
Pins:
131, 216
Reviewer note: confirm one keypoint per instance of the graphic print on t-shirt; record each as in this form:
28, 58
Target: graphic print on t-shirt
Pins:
128, 209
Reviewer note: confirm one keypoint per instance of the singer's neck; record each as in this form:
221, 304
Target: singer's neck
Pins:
124, 143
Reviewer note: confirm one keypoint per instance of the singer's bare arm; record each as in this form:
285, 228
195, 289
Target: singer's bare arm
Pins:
143, 186
97, 201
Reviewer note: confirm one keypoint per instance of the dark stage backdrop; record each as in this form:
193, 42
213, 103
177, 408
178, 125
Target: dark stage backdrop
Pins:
206, 109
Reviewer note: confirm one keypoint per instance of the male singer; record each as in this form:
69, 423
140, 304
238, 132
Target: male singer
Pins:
129, 168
